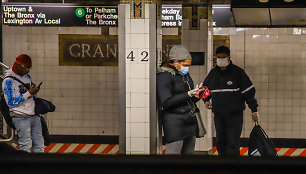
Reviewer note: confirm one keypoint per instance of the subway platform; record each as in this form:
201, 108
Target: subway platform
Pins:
13, 161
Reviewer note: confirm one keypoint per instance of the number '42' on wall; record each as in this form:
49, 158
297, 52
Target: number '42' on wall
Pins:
140, 55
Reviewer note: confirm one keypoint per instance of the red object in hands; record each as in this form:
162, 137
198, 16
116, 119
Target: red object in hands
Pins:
203, 94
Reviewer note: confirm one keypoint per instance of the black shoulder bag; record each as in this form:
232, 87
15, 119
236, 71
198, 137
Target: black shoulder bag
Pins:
5, 110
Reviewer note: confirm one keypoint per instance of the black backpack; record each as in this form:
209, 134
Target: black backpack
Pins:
260, 144
5, 110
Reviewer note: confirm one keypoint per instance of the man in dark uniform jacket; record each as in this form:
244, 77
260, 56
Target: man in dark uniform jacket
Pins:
230, 88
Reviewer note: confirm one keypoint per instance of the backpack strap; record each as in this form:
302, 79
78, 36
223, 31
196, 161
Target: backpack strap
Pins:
17, 80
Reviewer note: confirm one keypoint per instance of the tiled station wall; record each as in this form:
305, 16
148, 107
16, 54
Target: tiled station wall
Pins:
86, 97
275, 60
137, 39
196, 41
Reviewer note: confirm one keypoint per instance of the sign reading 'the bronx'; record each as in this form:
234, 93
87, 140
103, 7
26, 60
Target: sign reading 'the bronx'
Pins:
88, 50
35, 14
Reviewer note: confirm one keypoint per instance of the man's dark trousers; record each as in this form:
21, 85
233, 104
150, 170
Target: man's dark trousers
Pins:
228, 131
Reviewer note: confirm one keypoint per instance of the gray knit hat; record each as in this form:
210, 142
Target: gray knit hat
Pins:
179, 52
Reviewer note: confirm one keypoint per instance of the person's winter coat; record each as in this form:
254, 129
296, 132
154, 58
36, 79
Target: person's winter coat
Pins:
230, 89
172, 91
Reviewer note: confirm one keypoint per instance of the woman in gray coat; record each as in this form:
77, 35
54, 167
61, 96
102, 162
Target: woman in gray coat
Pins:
177, 97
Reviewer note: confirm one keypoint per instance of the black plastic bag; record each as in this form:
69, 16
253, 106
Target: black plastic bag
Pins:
260, 144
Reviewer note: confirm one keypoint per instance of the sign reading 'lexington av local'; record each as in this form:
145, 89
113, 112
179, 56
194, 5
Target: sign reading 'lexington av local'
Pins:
35, 14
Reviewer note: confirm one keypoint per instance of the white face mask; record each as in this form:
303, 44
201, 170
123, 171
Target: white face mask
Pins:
223, 62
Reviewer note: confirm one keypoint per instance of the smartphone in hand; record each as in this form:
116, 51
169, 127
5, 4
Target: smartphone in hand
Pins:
203, 93
39, 84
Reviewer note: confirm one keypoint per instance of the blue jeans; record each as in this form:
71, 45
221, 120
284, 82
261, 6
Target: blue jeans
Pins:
29, 131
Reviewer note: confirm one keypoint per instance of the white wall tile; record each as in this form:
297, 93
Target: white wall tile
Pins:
137, 26
185, 24
128, 99
185, 35
194, 35
138, 85
138, 100
147, 26
138, 115
147, 131
147, 69
128, 41
147, 100
128, 115
147, 84
138, 144
128, 144
143, 55
127, 11
147, 146
127, 26
138, 41
138, 70
194, 46
128, 70
138, 130
147, 11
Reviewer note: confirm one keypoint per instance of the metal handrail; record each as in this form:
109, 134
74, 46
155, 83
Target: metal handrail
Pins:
11, 137
9, 129
4, 65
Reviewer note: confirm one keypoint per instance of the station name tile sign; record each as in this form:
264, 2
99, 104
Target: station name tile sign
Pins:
55, 14
87, 50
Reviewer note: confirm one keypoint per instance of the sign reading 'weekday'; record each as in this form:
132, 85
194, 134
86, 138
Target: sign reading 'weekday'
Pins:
54, 14
171, 16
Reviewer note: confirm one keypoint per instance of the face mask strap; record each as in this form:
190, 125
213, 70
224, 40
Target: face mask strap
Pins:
173, 63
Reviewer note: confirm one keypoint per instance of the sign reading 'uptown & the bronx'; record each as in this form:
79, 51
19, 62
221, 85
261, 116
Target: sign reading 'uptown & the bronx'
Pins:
58, 15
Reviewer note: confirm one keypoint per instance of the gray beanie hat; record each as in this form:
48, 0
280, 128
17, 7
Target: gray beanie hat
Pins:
179, 52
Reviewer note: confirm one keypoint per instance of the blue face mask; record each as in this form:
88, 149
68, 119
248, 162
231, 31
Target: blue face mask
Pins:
184, 70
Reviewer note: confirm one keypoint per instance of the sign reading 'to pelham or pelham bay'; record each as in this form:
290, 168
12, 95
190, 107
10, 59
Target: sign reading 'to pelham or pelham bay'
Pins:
55, 14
